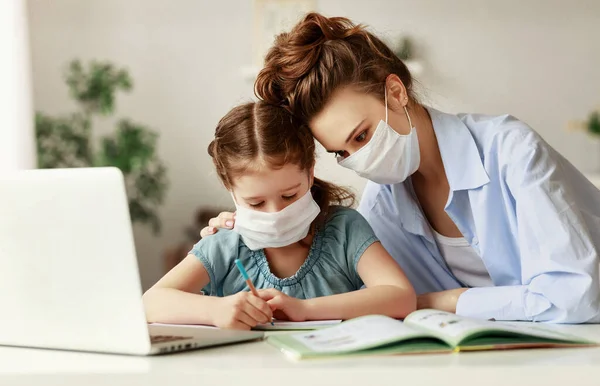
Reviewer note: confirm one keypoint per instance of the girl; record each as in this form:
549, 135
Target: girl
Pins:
486, 219
308, 257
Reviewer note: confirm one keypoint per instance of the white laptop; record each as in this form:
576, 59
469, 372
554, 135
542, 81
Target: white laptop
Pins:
68, 269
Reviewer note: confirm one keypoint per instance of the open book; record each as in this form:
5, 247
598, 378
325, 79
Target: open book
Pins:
423, 331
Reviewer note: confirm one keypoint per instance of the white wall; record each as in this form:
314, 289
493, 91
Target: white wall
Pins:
538, 60
17, 142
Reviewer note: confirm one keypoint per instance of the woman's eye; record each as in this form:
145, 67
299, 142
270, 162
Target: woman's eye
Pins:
361, 137
340, 153
257, 205
289, 197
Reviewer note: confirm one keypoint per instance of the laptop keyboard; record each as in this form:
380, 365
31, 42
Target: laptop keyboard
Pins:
167, 338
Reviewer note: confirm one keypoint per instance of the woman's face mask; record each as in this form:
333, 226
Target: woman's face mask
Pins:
353, 127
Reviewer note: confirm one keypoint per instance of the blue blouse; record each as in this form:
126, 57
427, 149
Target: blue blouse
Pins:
329, 269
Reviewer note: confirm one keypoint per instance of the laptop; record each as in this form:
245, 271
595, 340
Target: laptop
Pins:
68, 269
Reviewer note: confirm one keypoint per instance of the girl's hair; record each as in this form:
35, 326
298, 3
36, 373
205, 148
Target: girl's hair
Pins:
257, 135
319, 55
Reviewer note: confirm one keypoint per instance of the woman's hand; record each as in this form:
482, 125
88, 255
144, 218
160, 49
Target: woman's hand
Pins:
443, 301
284, 307
241, 311
225, 220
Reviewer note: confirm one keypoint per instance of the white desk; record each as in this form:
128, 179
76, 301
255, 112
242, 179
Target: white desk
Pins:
257, 363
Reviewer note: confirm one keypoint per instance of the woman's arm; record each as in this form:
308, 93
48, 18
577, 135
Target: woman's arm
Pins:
559, 244
388, 292
175, 299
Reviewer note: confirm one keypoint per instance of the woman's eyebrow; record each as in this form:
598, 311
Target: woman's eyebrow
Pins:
354, 131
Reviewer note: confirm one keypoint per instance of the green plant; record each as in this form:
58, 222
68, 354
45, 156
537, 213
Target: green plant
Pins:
404, 50
593, 123
66, 141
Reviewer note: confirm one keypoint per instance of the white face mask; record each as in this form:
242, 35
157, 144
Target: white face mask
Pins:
389, 157
277, 229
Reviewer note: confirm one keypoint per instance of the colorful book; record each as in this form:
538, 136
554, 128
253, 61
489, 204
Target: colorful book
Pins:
423, 331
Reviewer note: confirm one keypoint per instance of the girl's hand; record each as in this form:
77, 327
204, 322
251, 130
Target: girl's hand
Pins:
284, 307
241, 311
225, 220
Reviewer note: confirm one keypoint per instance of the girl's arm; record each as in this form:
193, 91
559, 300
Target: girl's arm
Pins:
388, 292
175, 299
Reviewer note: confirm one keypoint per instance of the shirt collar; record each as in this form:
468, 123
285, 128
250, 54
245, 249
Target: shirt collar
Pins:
460, 155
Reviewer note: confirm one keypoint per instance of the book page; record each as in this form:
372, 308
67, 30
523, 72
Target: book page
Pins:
358, 334
447, 326
286, 325
454, 329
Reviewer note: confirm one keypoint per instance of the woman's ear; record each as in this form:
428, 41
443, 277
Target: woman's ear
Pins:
397, 95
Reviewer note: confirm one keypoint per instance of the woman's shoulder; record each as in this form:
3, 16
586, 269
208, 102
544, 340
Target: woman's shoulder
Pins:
501, 132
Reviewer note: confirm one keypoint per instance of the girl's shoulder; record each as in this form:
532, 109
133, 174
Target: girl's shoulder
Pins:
225, 244
338, 215
347, 232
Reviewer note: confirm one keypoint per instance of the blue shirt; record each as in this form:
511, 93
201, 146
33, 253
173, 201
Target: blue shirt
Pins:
329, 269
532, 217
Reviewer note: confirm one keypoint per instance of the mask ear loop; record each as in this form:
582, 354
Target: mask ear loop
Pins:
233, 197
408, 116
386, 110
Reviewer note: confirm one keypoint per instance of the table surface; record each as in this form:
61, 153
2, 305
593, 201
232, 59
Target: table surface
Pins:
258, 363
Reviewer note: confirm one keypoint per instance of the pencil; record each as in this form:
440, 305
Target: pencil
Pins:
240, 266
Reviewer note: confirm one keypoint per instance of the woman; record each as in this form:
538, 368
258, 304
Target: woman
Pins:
485, 218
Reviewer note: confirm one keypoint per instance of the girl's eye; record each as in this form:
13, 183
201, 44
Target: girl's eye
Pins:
289, 197
361, 137
257, 205
340, 153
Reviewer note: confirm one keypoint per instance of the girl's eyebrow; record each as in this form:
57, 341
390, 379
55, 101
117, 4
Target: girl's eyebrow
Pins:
284, 190
292, 187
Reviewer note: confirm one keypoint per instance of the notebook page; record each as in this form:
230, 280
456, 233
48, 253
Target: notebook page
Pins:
286, 325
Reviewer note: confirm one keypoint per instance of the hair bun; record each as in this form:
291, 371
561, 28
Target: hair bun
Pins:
306, 65
295, 53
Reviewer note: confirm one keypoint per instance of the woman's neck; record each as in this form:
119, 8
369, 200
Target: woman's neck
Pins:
286, 261
431, 168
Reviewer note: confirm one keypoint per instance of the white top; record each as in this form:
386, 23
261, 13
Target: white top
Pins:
463, 260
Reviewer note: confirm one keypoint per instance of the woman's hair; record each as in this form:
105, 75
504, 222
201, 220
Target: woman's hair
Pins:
257, 135
319, 55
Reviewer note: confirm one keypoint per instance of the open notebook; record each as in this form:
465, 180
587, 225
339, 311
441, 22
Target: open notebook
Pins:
277, 325
424, 331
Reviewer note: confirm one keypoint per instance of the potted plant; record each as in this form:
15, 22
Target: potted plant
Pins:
66, 141
405, 51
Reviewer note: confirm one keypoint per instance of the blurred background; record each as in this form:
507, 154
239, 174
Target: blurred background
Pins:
141, 84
